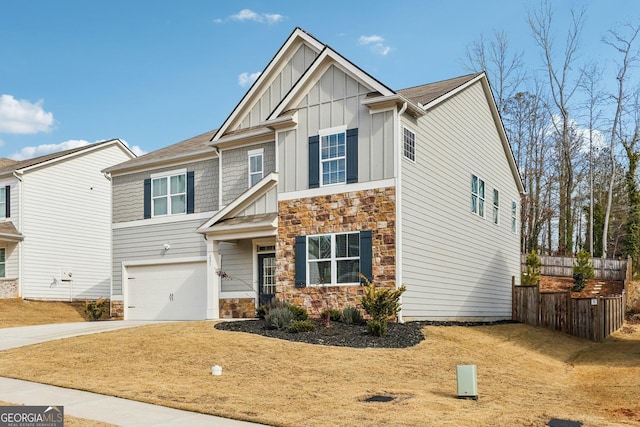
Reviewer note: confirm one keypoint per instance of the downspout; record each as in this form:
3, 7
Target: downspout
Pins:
20, 228
107, 176
398, 163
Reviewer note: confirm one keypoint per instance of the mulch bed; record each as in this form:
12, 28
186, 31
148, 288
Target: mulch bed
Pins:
399, 335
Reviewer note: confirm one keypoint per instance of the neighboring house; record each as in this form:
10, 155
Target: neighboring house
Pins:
319, 174
55, 223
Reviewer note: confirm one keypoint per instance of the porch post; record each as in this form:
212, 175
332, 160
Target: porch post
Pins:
213, 280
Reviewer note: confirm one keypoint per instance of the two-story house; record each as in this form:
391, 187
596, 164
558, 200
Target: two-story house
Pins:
55, 223
322, 173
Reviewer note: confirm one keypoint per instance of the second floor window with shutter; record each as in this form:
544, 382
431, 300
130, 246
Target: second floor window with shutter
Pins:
168, 194
333, 158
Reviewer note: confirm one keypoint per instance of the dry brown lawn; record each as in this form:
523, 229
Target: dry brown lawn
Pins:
526, 375
70, 421
18, 312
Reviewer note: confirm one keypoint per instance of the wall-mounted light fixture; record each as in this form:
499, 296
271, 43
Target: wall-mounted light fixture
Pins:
167, 246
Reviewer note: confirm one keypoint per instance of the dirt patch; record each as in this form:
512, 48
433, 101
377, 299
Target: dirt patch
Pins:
592, 288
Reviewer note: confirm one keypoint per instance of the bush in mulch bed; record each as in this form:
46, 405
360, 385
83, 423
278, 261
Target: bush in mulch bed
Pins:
399, 335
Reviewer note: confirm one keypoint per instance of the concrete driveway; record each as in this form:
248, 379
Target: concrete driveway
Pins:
92, 406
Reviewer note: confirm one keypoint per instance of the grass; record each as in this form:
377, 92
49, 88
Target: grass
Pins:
526, 375
18, 312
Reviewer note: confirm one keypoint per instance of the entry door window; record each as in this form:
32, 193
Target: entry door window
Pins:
267, 279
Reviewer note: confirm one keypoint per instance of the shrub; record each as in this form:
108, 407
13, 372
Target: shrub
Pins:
381, 303
279, 318
301, 326
351, 316
532, 275
582, 271
377, 327
262, 310
299, 313
332, 314
96, 309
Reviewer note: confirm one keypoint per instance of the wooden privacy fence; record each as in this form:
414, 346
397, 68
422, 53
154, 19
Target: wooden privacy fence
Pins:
604, 269
591, 318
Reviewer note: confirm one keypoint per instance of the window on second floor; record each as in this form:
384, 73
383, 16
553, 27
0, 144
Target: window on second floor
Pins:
514, 217
170, 193
409, 143
477, 196
3, 202
256, 166
496, 206
333, 157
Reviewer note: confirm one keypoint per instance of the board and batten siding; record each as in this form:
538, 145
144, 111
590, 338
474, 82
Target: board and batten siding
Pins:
146, 242
279, 87
128, 190
335, 100
456, 264
235, 167
267, 203
67, 225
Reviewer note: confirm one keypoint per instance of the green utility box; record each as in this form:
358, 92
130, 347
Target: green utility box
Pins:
467, 382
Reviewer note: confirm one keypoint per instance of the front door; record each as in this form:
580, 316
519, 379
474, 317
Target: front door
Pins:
266, 278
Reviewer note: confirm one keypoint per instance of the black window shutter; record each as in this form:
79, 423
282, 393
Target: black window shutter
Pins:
7, 201
301, 261
314, 161
366, 268
190, 192
147, 198
352, 155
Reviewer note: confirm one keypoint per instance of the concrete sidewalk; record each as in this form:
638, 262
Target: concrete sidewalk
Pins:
92, 406
108, 409
27, 335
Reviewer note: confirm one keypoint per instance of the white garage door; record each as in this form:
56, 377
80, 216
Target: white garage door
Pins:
167, 292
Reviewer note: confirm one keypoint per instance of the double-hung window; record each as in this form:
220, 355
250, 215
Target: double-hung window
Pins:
477, 196
169, 195
333, 158
496, 206
514, 213
409, 145
333, 259
256, 166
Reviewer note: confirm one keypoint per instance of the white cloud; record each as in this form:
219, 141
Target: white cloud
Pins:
246, 15
41, 150
246, 79
135, 148
22, 116
375, 43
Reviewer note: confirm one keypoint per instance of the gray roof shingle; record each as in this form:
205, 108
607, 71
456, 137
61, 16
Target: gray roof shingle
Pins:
424, 94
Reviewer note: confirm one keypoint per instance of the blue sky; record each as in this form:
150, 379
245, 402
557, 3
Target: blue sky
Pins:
153, 73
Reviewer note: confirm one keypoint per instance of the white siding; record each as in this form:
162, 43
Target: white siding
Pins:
12, 253
454, 263
67, 224
147, 243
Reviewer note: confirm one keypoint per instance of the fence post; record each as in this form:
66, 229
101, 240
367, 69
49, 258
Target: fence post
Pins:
513, 297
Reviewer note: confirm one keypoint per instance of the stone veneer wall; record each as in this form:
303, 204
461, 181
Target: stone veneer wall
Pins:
373, 210
9, 288
117, 310
237, 308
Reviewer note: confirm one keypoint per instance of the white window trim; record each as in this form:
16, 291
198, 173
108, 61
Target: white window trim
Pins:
327, 132
168, 176
495, 208
484, 198
5, 262
514, 216
404, 156
255, 153
334, 261
3, 205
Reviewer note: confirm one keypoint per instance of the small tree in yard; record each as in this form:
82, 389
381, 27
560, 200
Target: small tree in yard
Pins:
532, 275
582, 271
380, 304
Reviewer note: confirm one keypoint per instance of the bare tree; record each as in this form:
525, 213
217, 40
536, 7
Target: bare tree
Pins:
623, 44
562, 84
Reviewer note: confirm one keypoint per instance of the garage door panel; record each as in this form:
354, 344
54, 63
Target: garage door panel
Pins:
167, 292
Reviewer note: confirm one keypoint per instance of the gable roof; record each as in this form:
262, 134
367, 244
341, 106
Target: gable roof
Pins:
190, 147
424, 94
8, 166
